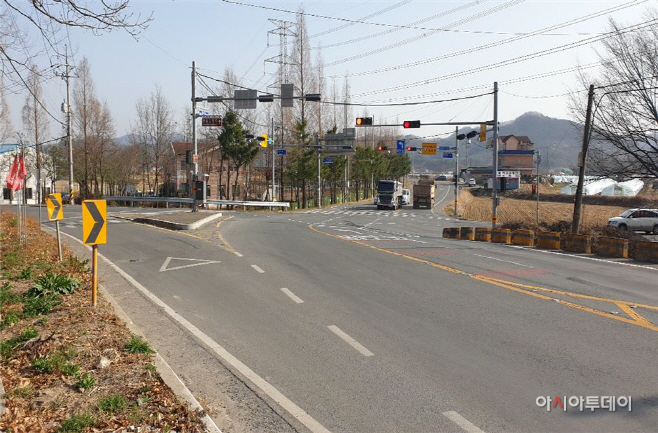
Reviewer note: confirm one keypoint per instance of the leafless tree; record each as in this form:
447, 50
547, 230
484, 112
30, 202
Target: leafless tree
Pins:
84, 98
6, 128
35, 123
624, 140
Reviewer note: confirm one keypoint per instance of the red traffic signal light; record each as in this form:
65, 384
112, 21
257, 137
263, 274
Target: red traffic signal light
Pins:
382, 148
362, 121
411, 124
411, 149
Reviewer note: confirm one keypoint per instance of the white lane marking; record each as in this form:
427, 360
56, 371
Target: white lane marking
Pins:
292, 295
237, 254
258, 269
583, 257
372, 222
247, 372
462, 422
165, 265
506, 261
440, 201
349, 340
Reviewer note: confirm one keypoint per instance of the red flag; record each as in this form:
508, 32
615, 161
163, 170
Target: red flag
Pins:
13, 171
21, 174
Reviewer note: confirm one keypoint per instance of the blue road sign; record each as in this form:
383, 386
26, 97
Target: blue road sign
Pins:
328, 160
444, 147
400, 148
281, 152
447, 155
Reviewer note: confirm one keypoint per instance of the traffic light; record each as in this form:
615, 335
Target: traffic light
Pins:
362, 121
188, 157
471, 134
412, 149
382, 148
483, 132
263, 140
411, 124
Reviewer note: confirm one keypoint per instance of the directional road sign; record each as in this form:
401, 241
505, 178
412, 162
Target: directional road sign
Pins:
444, 147
328, 160
281, 152
54, 205
94, 222
211, 121
447, 155
400, 147
429, 149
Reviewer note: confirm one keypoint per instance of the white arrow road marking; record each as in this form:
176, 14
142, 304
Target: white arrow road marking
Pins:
165, 265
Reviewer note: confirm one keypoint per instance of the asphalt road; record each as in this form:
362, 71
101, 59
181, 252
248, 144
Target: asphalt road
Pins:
370, 321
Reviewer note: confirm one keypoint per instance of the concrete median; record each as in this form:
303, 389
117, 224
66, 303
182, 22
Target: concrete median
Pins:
612, 247
549, 240
501, 236
483, 234
467, 233
646, 251
446, 232
454, 232
523, 237
578, 243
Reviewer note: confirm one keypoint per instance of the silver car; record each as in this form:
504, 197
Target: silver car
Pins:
637, 220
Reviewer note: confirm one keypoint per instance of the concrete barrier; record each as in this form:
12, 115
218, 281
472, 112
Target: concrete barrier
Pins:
501, 236
523, 237
612, 247
454, 232
446, 232
548, 240
467, 233
483, 234
578, 243
646, 251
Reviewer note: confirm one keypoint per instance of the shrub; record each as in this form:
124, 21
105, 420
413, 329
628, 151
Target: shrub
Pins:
7, 347
9, 319
138, 345
55, 364
7, 296
86, 381
76, 423
26, 273
33, 306
113, 404
53, 284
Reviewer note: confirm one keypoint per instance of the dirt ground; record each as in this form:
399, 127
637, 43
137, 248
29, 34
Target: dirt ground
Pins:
65, 365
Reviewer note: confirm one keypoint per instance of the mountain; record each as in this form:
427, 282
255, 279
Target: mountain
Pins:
558, 141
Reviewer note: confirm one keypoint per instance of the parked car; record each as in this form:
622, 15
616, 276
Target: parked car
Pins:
442, 177
471, 182
406, 196
637, 220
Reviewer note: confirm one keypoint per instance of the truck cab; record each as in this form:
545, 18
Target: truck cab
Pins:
390, 194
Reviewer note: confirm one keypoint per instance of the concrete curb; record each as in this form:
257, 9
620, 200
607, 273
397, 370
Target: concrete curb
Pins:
172, 225
3, 408
169, 377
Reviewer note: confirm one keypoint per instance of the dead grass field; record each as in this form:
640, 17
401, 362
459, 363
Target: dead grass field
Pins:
523, 212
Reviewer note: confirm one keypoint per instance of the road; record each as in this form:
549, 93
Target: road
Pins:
370, 321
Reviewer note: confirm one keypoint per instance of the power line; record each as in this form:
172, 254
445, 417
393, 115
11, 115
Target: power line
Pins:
514, 60
398, 26
498, 43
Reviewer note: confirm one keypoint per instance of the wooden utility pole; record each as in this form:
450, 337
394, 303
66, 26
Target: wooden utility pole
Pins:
581, 163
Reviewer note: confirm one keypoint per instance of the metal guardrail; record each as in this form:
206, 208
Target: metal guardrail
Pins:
190, 201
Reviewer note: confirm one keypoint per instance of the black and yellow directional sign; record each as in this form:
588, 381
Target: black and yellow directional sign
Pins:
54, 205
94, 222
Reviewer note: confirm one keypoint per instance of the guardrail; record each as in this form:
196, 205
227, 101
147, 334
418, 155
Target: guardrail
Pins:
186, 200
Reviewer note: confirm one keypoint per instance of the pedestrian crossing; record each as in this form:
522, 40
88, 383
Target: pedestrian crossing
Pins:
348, 212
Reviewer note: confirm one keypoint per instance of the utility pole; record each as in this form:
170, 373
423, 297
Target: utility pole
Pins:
195, 156
494, 193
581, 163
69, 137
273, 160
319, 200
456, 169
537, 187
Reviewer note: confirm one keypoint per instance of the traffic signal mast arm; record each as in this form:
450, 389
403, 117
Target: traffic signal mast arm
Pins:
487, 122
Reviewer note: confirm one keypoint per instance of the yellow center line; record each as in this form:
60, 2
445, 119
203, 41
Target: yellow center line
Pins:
225, 243
635, 318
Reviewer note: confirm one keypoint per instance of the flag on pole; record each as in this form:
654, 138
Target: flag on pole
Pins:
13, 171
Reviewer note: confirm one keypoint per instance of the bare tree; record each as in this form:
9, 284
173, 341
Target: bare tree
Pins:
84, 98
625, 115
6, 128
302, 69
35, 123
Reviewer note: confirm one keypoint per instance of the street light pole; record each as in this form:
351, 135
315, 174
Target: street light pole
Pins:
195, 160
494, 193
456, 168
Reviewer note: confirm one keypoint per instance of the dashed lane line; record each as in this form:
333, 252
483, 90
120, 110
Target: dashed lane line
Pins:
292, 296
462, 422
258, 269
349, 340
237, 254
506, 261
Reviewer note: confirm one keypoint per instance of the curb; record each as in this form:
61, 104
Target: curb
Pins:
3, 408
169, 377
172, 225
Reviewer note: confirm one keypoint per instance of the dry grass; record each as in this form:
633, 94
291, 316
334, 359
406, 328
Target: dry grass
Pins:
523, 212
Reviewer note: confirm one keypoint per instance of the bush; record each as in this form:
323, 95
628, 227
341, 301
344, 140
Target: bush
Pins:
6, 296
85, 381
138, 345
76, 423
7, 347
26, 273
113, 404
72, 263
53, 284
33, 306
9, 319
55, 364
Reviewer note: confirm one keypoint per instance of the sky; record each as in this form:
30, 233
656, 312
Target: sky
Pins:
420, 44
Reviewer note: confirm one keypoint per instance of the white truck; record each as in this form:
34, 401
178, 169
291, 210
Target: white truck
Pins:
390, 194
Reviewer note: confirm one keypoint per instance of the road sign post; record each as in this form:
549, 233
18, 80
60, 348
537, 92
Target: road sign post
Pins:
55, 213
94, 232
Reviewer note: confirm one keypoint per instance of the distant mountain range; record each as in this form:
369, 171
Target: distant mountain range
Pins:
558, 141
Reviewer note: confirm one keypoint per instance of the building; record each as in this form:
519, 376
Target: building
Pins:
515, 153
7, 154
